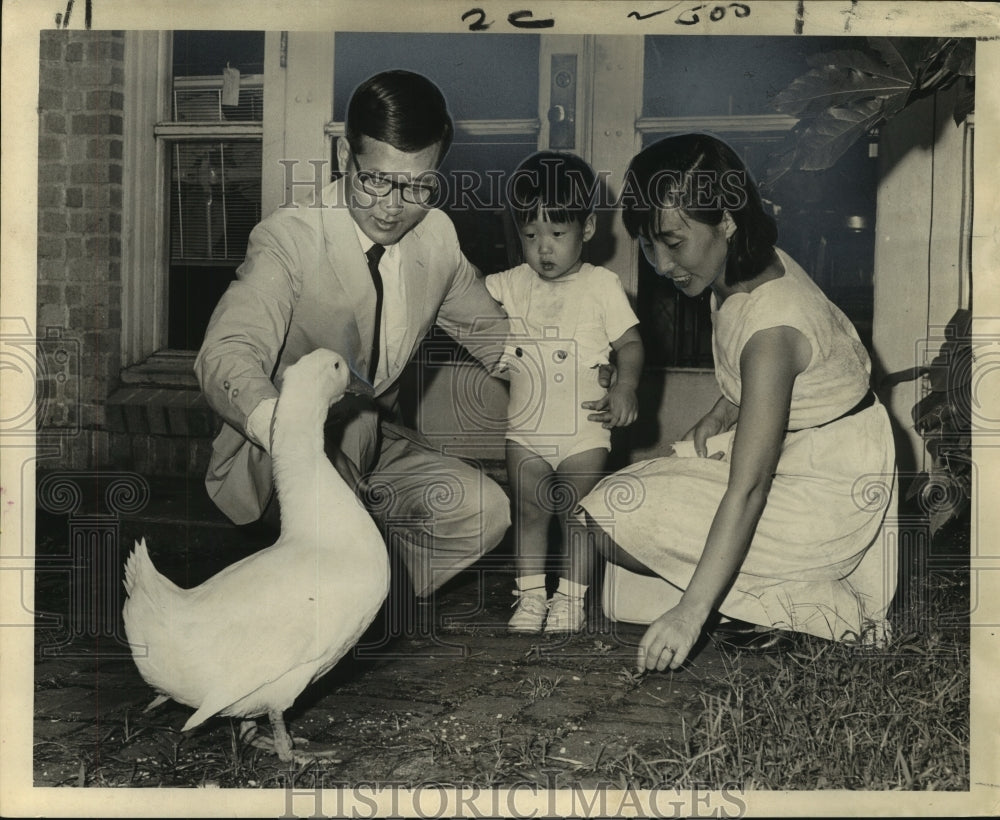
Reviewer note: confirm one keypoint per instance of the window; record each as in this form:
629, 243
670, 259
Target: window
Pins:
214, 139
201, 172
202, 167
496, 126
192, 182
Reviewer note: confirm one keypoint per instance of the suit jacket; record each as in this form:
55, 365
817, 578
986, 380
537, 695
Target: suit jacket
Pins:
305, 284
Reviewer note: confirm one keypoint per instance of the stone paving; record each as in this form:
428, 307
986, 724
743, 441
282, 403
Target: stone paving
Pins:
453, 700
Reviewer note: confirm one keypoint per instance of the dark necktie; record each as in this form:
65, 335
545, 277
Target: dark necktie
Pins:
374, 255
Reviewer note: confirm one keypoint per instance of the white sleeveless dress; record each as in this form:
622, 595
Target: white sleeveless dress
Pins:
822, 560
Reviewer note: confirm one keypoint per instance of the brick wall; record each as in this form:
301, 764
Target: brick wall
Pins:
80, 104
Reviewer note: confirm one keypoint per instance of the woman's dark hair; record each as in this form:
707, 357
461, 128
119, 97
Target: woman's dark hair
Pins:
401, 108
705, 178
560, 183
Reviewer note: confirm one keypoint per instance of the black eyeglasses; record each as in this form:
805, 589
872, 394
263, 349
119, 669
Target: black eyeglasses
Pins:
379, 185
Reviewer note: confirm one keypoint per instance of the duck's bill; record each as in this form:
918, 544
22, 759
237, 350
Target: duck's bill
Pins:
359, 386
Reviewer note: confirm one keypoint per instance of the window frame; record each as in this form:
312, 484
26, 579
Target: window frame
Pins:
145, 195
150, 132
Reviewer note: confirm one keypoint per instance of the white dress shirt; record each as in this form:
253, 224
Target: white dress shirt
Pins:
392, 331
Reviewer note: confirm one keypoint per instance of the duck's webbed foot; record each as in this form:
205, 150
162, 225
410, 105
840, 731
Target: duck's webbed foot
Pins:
281, 743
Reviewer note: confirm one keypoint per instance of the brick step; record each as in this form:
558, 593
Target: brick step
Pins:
154, 498
166, 368
187, 535
160, 411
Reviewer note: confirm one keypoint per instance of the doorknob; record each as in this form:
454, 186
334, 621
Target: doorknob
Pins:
562, 96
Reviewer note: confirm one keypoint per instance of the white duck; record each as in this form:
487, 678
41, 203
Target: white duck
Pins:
249, 639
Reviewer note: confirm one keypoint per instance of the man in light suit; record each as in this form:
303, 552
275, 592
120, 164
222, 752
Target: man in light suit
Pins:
310, 280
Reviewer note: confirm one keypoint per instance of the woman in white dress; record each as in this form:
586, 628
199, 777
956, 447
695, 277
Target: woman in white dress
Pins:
782, 524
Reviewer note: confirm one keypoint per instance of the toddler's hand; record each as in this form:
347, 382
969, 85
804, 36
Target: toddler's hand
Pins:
623, 407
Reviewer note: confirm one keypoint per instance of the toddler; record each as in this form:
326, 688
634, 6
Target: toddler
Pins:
566, 317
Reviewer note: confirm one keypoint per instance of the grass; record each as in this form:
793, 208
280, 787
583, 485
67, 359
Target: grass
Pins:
830, 715
827, 718
822, 716
539, 686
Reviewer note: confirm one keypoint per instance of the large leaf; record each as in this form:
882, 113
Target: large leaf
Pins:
961, 57
932, 75
942, 515
946, 59
849, 91
835, 86
860, 61
943, 497
896, 103
929, 413
935, 53
892, 57
781, 162
951, 368
829, 136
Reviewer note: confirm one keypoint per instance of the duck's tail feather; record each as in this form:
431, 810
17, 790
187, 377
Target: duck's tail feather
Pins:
159, 700
154, 604
142, 575
134, 567
151, 597
211, 705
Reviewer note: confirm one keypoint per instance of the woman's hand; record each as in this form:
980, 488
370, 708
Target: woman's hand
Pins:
717, 420
668, 640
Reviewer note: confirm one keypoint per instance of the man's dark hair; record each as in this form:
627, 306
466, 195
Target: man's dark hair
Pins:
401, 108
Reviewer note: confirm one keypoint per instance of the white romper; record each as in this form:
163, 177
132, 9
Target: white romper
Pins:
561, 331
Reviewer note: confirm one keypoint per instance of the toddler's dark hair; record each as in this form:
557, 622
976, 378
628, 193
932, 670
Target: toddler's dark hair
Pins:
561, 184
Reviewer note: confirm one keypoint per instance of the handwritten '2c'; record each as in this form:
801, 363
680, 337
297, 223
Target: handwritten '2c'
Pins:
518, 19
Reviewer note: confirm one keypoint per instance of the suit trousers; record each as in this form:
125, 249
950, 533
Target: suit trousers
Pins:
437, 513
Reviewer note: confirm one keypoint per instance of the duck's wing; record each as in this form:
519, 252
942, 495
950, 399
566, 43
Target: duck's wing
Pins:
292, 615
